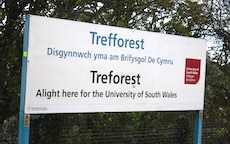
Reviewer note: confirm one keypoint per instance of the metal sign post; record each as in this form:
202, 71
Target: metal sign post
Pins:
198, 127
24, 119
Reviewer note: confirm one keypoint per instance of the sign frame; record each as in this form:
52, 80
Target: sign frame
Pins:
24, 119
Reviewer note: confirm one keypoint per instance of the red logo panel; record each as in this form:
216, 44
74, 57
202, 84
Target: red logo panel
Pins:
192, 71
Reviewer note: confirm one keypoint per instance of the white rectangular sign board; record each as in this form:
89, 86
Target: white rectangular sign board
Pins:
80, 67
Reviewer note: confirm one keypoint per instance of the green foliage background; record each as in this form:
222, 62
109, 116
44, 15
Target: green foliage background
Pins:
186, 17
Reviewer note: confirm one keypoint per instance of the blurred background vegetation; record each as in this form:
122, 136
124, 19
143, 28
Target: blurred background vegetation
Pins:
207, 19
